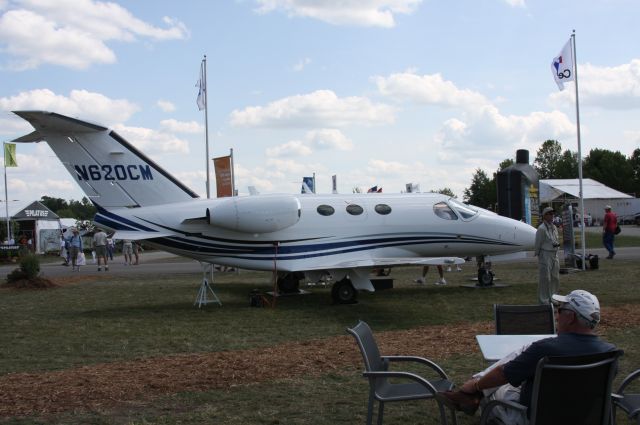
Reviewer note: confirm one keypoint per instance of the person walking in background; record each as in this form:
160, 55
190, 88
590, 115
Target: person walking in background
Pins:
75, 248
425, 270
64, 252
136, 252
546, 249
111, 247
609, 230
100, 245
127, 251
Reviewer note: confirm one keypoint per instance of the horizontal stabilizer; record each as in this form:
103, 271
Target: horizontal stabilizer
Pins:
34, 136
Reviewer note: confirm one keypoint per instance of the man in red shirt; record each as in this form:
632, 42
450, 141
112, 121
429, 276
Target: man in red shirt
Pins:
609, 230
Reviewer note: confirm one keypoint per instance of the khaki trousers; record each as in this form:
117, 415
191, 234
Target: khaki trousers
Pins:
548, 276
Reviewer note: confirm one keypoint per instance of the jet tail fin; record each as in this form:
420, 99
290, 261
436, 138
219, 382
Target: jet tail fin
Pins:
110, 171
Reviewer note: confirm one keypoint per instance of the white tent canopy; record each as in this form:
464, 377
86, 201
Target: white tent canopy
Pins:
553, 189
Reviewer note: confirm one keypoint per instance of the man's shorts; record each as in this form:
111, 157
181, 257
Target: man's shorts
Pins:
127, 249
101, 250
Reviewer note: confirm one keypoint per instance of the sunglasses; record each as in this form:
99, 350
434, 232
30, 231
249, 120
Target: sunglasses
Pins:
559, 309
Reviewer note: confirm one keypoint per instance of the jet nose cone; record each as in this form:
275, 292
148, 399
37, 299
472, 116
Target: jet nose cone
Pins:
525, 235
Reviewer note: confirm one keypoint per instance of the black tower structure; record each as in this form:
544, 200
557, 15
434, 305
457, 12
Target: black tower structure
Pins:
515, 186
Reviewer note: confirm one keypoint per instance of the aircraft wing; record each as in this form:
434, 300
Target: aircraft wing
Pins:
395, 261
136, 235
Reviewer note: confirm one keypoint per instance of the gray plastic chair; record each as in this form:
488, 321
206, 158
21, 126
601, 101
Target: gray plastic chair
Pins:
629, 403
535, 319
411, 385
567, 390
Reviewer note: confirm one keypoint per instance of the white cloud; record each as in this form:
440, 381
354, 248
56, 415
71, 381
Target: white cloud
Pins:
166, 106
176, 126
381, 167
74, 33
516, 3
488, 133
322, 139
480, 129
301, 64
151, 141
321, 108
329, 138
292, 148
80, 103
428, 89
366, 13
616, 87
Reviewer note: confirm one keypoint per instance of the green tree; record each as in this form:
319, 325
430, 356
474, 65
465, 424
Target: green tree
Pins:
482, 192
82, 210
547, 159
54, 204
504, 164
444, 191
609, 168
634, 161
567, 166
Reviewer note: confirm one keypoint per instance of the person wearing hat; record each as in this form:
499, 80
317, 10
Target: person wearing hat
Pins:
546, 249
610, 223
577, 315
75, 247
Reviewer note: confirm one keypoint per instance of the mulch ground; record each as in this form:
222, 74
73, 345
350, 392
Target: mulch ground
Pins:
106, 386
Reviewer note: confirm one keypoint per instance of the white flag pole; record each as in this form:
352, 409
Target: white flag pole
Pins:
6, 192
582, 224
206, 123
233, 174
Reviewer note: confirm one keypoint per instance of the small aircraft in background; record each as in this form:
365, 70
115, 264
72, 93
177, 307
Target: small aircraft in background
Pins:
343, 236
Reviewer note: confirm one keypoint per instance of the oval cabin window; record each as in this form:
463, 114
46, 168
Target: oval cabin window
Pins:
325, 210
354, 209
383, 209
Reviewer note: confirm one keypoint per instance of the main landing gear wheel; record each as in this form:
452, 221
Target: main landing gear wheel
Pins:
343, 292
290, 283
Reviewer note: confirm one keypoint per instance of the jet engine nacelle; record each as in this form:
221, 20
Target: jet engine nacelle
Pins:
256, 215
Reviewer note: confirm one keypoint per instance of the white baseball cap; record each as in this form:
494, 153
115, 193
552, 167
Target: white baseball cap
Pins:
583, 303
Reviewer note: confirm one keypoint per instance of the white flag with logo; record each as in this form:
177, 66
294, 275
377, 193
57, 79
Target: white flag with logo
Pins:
562, 66
202, 88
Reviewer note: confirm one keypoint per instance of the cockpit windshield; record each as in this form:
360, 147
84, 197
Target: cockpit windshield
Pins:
443, 210
466, 211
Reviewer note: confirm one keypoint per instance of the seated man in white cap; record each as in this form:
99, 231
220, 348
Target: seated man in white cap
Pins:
577, 315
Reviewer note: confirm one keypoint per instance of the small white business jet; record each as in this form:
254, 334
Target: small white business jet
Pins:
343, 237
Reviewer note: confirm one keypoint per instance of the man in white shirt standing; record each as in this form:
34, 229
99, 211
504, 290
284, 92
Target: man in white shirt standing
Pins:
546, 249
100, 245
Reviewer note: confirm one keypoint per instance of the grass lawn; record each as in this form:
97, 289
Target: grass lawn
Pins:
113, 320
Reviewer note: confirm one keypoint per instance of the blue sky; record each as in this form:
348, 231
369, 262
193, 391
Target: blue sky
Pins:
378, 92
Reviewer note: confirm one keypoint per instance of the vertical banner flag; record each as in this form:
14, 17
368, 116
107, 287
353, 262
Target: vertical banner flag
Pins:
224, 184
562, 66
202, 88
10, 155
307, 185
334, 183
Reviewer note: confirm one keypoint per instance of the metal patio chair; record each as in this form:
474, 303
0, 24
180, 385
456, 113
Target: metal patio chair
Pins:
629, 403
533, 319
567, 390
405, 385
